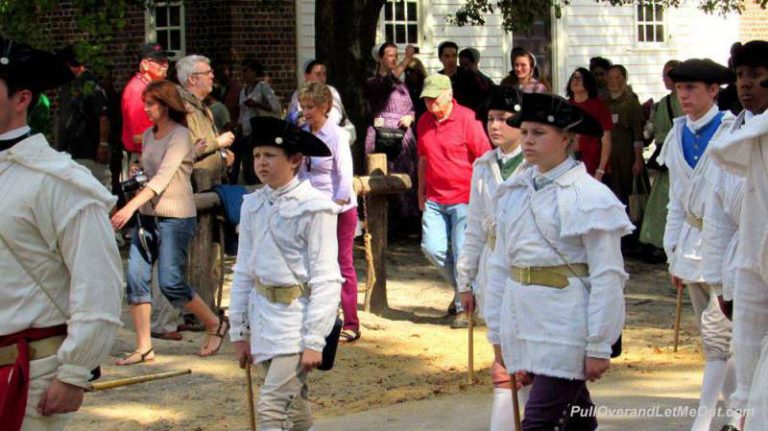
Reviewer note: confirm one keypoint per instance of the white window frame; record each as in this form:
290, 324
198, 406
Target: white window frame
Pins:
151, 26
652, 22
381, 35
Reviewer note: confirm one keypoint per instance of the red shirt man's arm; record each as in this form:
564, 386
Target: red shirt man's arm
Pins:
477, 139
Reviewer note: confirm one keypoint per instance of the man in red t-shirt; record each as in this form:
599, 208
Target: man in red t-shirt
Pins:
449, 141
153, 66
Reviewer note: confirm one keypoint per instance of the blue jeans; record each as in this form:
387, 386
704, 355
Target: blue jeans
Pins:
442, 236
167, 243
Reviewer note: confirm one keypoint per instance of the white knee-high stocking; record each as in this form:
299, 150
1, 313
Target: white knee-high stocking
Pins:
502, 417
711, 386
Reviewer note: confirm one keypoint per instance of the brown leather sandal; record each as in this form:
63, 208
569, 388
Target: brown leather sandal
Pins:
142, 358
221, 332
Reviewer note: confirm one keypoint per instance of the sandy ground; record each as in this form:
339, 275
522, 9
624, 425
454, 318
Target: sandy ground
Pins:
408, 354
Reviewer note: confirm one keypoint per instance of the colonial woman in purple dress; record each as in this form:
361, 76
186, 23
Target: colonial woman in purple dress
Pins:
391, 109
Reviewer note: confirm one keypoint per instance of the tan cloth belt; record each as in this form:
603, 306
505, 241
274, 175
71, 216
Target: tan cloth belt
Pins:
282, 294
550, 276
694, 221
37, 350
491, 240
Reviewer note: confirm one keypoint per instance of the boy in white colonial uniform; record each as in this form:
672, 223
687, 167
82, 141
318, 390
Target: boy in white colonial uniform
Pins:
287, 283
697, 84
554, 302
721, 265
488, 172
60, 272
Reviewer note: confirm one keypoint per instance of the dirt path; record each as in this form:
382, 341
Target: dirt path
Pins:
409, 354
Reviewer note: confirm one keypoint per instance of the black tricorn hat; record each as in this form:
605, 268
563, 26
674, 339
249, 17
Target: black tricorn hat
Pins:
273, 132
504, 99
701, 70
69, 56
753, 54
555, 111
32, 69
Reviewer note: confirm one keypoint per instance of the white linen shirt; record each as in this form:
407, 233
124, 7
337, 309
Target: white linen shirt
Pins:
745, 152
55, 220
260, 93
303, 242
546, 330
721, 223
688, 193
480, 233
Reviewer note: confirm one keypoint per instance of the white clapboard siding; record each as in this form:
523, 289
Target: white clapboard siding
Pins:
490, 39
305, 35
588, 29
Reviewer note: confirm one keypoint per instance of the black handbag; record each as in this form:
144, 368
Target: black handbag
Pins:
389, 141
331, 344
616, 348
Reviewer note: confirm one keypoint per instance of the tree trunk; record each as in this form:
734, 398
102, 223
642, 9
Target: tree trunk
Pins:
345, 32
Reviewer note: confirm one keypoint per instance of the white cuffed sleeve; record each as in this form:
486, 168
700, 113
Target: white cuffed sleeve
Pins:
498, 272
605, 310
675, 219
89, 251
719, 231
324, 279
337, 109
474, 236
242, 282
343, 175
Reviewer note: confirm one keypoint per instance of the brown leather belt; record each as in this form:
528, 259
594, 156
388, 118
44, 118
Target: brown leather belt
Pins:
550, 276
37, 350
282, 294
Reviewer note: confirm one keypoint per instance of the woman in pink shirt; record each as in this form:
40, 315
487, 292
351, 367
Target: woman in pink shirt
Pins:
333, 175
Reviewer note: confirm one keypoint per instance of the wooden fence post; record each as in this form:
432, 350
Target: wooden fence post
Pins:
378, 208
201, 252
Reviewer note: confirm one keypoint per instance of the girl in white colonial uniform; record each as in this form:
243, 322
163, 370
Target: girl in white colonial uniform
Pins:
488, 172
287, 283
554, 302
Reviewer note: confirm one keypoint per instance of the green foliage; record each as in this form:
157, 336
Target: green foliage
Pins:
97, 23
519, 15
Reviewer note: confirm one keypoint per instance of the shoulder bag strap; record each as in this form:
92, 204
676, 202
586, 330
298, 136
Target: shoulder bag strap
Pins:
282, 254
31, 275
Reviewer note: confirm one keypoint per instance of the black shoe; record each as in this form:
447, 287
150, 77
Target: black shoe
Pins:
655, 256
452, 309
729, 428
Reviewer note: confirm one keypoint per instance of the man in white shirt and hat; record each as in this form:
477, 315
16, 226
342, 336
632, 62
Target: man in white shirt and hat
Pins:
60, 268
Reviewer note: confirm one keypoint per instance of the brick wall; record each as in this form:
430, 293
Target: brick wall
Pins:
123, 51
754, 22
268, 34
224, 30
